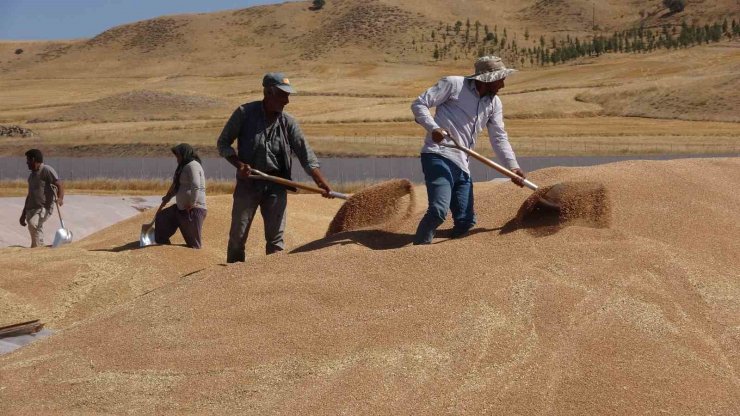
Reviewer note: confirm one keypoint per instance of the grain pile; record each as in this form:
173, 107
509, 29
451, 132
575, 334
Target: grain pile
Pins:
640, 317
382, 203
70, 284
579, 203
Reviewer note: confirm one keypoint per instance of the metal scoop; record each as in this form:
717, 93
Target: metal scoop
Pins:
147, 230
63, 235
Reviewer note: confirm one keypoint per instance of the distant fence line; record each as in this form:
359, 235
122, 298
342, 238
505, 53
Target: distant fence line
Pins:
335, 169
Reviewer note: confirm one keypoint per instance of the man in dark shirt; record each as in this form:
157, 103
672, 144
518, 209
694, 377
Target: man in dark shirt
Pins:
40, 199
266, 138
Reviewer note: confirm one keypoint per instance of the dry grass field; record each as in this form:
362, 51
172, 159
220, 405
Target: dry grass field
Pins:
610, 105
137, 89
107, 186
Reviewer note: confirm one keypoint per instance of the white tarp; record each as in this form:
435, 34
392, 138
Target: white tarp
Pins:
8, 344
83, 215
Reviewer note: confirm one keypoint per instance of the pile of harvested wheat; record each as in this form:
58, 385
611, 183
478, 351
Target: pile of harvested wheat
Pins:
377, 204
581, 203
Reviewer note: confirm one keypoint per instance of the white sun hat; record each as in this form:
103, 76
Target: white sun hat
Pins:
490, 69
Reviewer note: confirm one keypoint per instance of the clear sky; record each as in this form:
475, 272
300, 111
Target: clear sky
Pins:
70, 19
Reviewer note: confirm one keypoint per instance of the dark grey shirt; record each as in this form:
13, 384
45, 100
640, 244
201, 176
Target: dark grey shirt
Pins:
40, 194
266, 147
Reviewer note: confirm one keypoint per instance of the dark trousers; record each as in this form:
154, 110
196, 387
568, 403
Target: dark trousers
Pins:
190, 224
272, 199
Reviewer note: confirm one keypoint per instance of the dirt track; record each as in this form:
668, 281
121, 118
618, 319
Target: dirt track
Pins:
638, 317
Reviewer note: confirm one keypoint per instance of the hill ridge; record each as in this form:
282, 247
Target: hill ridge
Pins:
362, 30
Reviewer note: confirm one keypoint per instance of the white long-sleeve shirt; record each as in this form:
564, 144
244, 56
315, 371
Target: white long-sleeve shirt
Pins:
463, 113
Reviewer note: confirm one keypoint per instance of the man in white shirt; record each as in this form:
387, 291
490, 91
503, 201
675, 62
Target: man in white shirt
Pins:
464, 106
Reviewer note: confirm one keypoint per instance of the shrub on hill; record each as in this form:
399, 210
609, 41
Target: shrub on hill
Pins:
675, 6
16, 131
318, 4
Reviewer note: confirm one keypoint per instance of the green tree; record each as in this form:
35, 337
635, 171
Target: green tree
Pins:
686, 37
598, 45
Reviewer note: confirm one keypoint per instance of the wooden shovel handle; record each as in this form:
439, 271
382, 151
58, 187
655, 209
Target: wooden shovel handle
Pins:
147, 226
488, 162
56, 202
23, 328
286, 182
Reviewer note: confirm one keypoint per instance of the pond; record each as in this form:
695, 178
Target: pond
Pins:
335, 169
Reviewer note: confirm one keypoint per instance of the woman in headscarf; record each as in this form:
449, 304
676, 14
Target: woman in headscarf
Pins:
189, 189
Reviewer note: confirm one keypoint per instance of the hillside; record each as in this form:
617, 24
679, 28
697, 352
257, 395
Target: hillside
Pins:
344, 31
627, 304
638, 316
140, 105
138, 88
363, 109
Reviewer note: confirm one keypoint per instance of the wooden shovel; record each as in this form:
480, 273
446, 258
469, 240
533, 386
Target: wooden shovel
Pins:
283, 181
486, 161
542, 200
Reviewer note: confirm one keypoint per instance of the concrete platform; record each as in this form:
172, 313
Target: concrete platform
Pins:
83, 215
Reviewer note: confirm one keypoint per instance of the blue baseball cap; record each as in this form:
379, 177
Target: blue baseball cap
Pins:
277, 79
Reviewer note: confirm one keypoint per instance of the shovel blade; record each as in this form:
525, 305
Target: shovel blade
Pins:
147, 235
63, 236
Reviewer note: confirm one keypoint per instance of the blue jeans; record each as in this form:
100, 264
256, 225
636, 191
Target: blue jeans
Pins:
448, 188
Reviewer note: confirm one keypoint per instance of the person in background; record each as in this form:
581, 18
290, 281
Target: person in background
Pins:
464, 106
43, 186
189, 211
266, 139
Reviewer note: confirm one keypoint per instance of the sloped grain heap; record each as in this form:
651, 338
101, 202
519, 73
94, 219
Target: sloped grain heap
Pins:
641, 316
